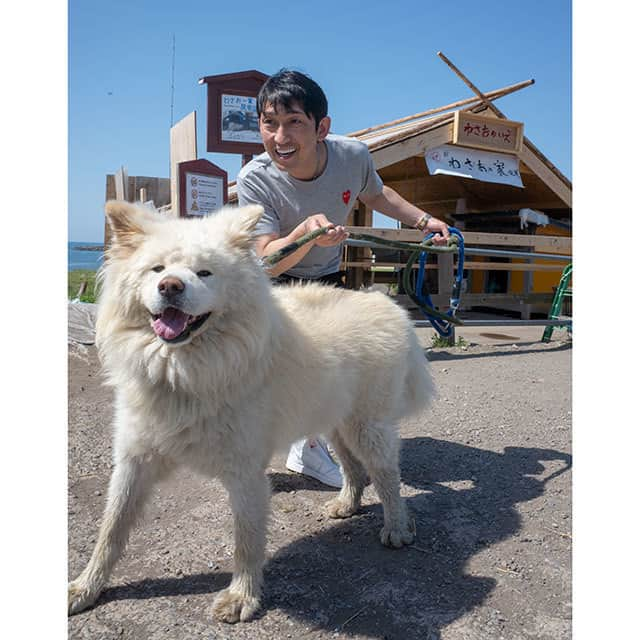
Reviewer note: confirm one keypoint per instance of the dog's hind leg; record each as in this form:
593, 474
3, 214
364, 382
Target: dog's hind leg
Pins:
354, 480
249, 496
129, 485
377, 445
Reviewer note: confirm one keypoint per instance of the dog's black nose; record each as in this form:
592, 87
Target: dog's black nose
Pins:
170, 286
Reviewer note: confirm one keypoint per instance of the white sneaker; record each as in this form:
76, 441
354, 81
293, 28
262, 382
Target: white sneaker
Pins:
312, 458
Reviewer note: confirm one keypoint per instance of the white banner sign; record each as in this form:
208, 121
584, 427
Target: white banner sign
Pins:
204, 194
473, 163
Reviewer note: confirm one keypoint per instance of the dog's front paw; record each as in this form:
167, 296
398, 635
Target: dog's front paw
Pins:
339, 508
396, 536
231, 606
80, 596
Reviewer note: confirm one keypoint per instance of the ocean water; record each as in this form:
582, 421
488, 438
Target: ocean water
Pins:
77, 258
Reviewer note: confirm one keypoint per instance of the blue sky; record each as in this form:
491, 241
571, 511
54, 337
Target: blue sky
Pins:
375, 60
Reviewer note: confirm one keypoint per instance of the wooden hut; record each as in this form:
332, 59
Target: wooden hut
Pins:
489, 214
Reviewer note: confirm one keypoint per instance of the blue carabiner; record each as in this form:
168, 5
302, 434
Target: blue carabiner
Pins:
444, 328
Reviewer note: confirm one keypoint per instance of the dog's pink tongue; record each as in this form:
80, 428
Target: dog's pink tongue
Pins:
171, 323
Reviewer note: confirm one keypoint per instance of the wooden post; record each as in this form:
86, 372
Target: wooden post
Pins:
527, 276
355, 275
122, 184
183, 148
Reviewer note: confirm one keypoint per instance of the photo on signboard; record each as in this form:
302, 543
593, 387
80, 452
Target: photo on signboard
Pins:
239, 119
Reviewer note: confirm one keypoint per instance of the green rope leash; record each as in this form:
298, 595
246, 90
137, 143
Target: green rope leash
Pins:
409, 246
409, 286
415, 247
280, 254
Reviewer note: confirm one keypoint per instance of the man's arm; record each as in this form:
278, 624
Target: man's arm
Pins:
270, 243
394, 205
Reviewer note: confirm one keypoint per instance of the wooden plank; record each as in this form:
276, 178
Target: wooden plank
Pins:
485, 299
122, 184
496, 93
505, 206
445, 272
547, 175
506, 135
414, 146
182, 148
471, 266
514, 266
559, 244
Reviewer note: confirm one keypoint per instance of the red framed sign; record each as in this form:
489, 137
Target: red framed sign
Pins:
202, 186
232, 120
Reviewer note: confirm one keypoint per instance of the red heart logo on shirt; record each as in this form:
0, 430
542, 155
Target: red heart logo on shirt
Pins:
346, 195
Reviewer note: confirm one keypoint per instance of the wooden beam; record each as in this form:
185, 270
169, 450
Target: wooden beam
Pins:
484, 299
471, 266
559, 244
514, 266
505, 206
413, 146
495, 94
545, 172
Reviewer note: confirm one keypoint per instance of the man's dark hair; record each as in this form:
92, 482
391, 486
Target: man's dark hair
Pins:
286, 87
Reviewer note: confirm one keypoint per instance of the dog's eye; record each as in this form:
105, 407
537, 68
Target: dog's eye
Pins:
204, 273
158, 268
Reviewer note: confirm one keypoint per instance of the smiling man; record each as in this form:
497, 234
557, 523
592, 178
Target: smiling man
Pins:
307, 179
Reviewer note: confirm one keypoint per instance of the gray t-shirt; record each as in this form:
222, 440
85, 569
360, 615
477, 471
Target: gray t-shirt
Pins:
287, 201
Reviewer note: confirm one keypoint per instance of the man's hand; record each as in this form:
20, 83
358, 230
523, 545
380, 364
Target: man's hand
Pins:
334, 236
438, 228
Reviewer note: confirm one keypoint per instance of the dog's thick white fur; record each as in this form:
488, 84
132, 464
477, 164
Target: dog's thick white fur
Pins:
215, 369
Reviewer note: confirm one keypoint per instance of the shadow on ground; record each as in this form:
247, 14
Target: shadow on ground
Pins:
343, 579
534, 347
414, 592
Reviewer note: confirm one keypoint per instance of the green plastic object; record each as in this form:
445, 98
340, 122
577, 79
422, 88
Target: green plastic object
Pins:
563, 290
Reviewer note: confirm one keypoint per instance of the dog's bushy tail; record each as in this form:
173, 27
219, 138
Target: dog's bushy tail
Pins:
419, 387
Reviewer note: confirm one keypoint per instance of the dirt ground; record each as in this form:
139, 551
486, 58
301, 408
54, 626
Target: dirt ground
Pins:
486, 473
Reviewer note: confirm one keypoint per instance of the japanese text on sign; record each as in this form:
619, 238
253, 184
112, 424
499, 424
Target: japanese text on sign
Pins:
472, 163
482, 132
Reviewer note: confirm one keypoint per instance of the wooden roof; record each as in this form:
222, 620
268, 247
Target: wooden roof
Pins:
398, 154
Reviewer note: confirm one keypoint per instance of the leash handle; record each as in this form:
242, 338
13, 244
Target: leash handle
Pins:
441, 322
280, 254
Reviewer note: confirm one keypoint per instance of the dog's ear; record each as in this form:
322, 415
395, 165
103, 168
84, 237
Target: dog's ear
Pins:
242, 222
128, 223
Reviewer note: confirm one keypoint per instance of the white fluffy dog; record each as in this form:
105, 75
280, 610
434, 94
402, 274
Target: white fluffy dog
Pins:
215, 369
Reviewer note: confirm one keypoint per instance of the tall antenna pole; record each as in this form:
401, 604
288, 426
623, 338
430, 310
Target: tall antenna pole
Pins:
173, 74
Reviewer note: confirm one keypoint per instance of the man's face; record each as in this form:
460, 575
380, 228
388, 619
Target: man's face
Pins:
291, 139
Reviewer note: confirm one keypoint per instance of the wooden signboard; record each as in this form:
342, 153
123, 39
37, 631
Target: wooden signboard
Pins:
232, 120
481, 132
203, 188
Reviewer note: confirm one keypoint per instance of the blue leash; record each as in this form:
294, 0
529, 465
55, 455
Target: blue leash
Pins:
443, 327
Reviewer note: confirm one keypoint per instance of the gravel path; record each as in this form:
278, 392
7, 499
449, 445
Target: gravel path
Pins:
487, 476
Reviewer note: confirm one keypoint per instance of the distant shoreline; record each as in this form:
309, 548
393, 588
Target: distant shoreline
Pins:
89, 248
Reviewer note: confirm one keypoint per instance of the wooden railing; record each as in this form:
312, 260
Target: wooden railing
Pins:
528, 245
